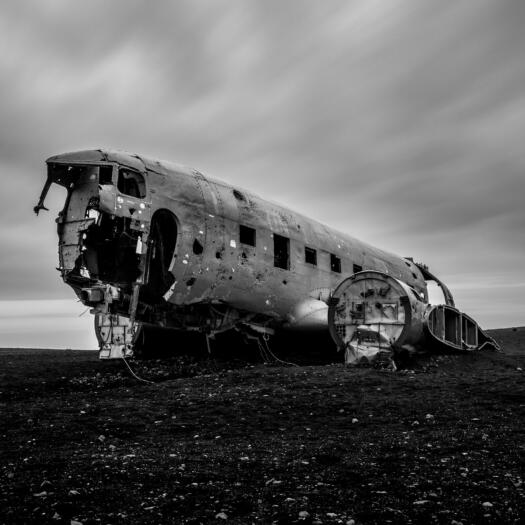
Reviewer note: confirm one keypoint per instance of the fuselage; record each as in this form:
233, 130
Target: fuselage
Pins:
187, 239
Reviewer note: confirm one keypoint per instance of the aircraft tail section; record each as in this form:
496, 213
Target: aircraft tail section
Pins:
372, 314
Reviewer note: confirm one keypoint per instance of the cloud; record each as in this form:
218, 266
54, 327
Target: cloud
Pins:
399, 123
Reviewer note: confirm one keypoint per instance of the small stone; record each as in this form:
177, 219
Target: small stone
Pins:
519, 369
304, 514
355, 420
74, 492
112, 448
56, 516
75, 522
350, 522
487, 504
46, 483
221, 516
102, 438
42, 494
429, 417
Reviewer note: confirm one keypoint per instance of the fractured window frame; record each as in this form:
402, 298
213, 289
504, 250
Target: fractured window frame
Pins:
310, 255
247, 235
281, 252
335, 263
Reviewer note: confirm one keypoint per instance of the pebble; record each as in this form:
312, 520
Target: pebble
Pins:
487, 504
304, 514
221, 516
355, 420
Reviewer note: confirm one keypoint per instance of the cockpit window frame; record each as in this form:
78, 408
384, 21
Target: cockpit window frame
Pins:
142, 194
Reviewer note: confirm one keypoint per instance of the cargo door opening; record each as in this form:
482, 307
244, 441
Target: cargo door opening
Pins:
162, 243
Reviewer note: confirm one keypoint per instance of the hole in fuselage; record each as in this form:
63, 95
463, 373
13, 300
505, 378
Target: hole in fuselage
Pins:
197, 247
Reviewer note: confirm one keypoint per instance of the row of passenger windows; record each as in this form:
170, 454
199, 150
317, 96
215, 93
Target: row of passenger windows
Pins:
281, 251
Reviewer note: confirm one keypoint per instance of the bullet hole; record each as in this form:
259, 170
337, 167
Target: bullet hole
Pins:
191, 282
218, 255
230, 277
285, 282
414, 275
197, 247
131, 211
243, 255
238, 195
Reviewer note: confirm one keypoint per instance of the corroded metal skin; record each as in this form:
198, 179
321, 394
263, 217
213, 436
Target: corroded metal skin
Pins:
173, 253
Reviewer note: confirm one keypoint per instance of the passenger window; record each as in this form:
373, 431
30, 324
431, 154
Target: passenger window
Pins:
358, 268
246, 235
281, 252
335, 263
310, 255
131, 183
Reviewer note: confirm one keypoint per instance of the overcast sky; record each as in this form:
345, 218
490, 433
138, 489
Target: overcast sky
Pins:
400, 122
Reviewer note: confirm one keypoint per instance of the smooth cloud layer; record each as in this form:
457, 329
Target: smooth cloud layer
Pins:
401, 123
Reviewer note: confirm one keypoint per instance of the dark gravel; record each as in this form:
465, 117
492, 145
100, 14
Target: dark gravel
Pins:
226, 442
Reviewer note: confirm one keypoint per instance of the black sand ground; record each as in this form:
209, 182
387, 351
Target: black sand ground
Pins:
216, 442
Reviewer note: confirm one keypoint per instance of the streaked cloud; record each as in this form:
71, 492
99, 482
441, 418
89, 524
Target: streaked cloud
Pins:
399, 122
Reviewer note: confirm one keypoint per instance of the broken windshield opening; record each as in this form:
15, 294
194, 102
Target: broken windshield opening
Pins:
131, 183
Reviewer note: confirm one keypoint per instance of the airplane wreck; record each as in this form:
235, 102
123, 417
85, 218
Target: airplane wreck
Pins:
151, 245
